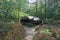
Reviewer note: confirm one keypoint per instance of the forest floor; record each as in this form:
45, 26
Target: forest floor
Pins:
30, 32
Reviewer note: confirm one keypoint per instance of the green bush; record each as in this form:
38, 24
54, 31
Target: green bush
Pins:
48, 21
47, 34
12, 31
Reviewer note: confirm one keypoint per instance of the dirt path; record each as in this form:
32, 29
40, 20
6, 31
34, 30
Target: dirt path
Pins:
30, 32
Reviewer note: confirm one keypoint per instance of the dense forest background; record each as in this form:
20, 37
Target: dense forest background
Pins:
13, 10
